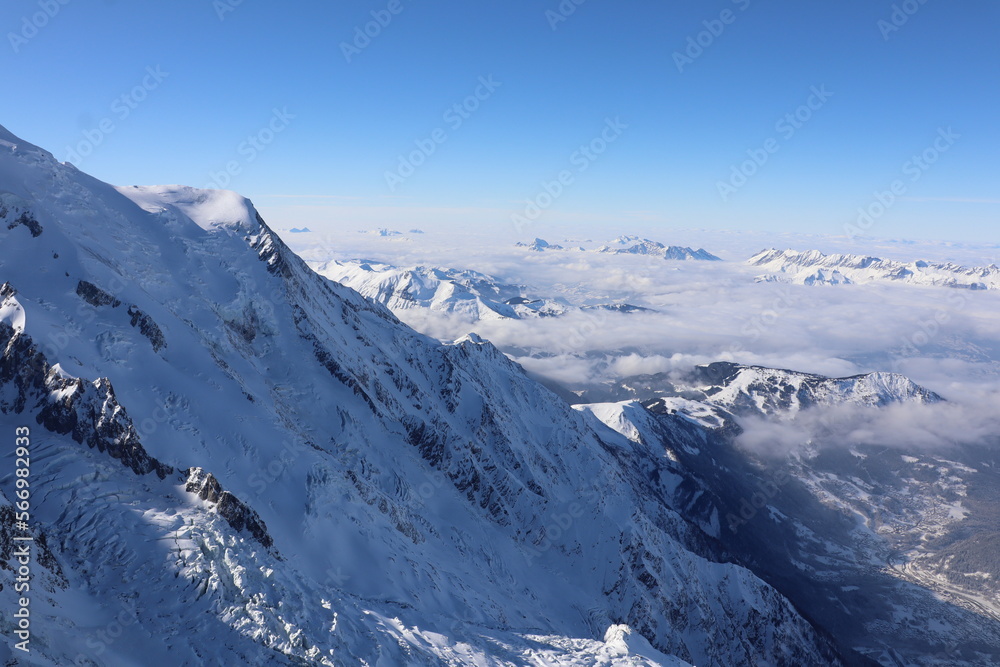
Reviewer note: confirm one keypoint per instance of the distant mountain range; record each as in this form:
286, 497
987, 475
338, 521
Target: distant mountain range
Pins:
632, 245
762, 392
471, 294
815, 268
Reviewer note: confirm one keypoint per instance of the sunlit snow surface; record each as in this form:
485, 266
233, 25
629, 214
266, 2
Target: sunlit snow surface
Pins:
423, 503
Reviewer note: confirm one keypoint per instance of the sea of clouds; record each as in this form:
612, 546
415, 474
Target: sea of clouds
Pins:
947, 340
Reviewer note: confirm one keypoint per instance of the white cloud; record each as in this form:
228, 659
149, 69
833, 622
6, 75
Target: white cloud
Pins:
909, 427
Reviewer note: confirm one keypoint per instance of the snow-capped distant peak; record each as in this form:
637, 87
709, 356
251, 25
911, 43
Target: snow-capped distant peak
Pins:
539, 245
633, 245
771, 391
471, 337
383, 232
441, 289
815, 268
466, 293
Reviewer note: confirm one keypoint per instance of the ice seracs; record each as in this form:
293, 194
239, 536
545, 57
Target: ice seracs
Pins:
210, 209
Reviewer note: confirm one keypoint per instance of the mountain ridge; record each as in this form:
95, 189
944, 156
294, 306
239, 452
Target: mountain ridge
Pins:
815, 268
364, 447
463, 292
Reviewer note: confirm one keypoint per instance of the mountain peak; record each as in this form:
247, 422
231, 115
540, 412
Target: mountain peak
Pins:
21, 150
209, 209
771, 391
539, 245
813, 267
634, 245
471, 337
8, 136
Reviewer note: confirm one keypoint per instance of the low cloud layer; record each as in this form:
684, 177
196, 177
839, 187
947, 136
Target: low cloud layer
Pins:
945, 339
908, 427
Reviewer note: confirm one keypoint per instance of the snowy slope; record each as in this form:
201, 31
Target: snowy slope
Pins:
238, 461
814, 268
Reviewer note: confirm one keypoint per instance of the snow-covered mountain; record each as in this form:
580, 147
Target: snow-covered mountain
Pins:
764, 392
471, 294
815, 268
539, 245
884, 546
464, 292
237, 461
774, 392
633, 245
383, 232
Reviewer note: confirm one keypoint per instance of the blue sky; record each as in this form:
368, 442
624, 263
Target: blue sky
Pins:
154, 92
